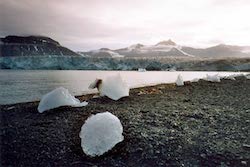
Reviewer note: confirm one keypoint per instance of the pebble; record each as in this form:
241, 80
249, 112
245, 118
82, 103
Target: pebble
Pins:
175, 124
244, 162
143, 111
246, 146
203, 155
10, 108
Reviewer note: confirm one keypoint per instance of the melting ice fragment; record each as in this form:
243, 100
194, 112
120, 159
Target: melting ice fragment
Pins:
195, 80
142, 70
179, 81
113, 87
231, 77
59, 97
212, 78
100, 133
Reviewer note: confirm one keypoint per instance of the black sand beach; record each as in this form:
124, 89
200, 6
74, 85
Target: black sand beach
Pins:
199, 124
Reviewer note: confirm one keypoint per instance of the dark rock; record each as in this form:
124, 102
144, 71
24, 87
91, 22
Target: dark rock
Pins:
32, 46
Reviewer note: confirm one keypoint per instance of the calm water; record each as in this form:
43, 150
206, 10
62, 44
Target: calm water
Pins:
23, 86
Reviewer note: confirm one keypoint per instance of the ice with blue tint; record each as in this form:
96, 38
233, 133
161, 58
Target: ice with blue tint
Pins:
113, 87
59, 97
100, 133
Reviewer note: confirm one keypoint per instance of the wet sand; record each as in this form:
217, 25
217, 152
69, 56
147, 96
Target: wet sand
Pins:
199, 124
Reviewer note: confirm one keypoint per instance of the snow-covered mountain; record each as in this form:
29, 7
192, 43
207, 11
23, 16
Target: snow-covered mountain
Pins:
171, 49
220, 50
36, 52
161, 49
45, 46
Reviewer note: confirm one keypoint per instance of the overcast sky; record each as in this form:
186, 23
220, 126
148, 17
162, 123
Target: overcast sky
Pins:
92, 24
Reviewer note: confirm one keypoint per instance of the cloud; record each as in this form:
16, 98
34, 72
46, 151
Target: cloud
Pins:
90, 24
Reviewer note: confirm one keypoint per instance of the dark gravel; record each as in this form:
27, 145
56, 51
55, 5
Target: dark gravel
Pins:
199, 124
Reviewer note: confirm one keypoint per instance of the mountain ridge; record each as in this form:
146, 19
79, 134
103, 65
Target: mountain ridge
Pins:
169, 48
32, 46
41, 45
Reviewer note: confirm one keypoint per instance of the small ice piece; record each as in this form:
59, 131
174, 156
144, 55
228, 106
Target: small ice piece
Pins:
142, 70
195, 80
213, 78
231, 77
247, 76
100, 133
179, 81
10, 108
59, 97
113, 87
173, 69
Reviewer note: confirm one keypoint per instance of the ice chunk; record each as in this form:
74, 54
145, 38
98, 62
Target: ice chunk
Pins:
247, 76
195, 80
59, 97
231, 77
100, 133
113, 87
173, 69
212, 78
142, 70
179, 81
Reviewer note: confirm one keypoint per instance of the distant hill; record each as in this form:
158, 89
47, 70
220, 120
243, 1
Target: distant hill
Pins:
32, 46
219, 51
171, 49
168, 42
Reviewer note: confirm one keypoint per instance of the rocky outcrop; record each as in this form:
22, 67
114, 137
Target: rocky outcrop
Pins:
32, 46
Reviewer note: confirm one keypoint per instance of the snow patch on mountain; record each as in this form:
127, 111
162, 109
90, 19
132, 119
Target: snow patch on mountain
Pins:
164, 46
135, 47
113, 54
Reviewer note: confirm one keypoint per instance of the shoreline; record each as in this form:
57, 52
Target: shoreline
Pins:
28, 89
202, 124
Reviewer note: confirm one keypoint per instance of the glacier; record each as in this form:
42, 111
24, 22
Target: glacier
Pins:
53, 62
